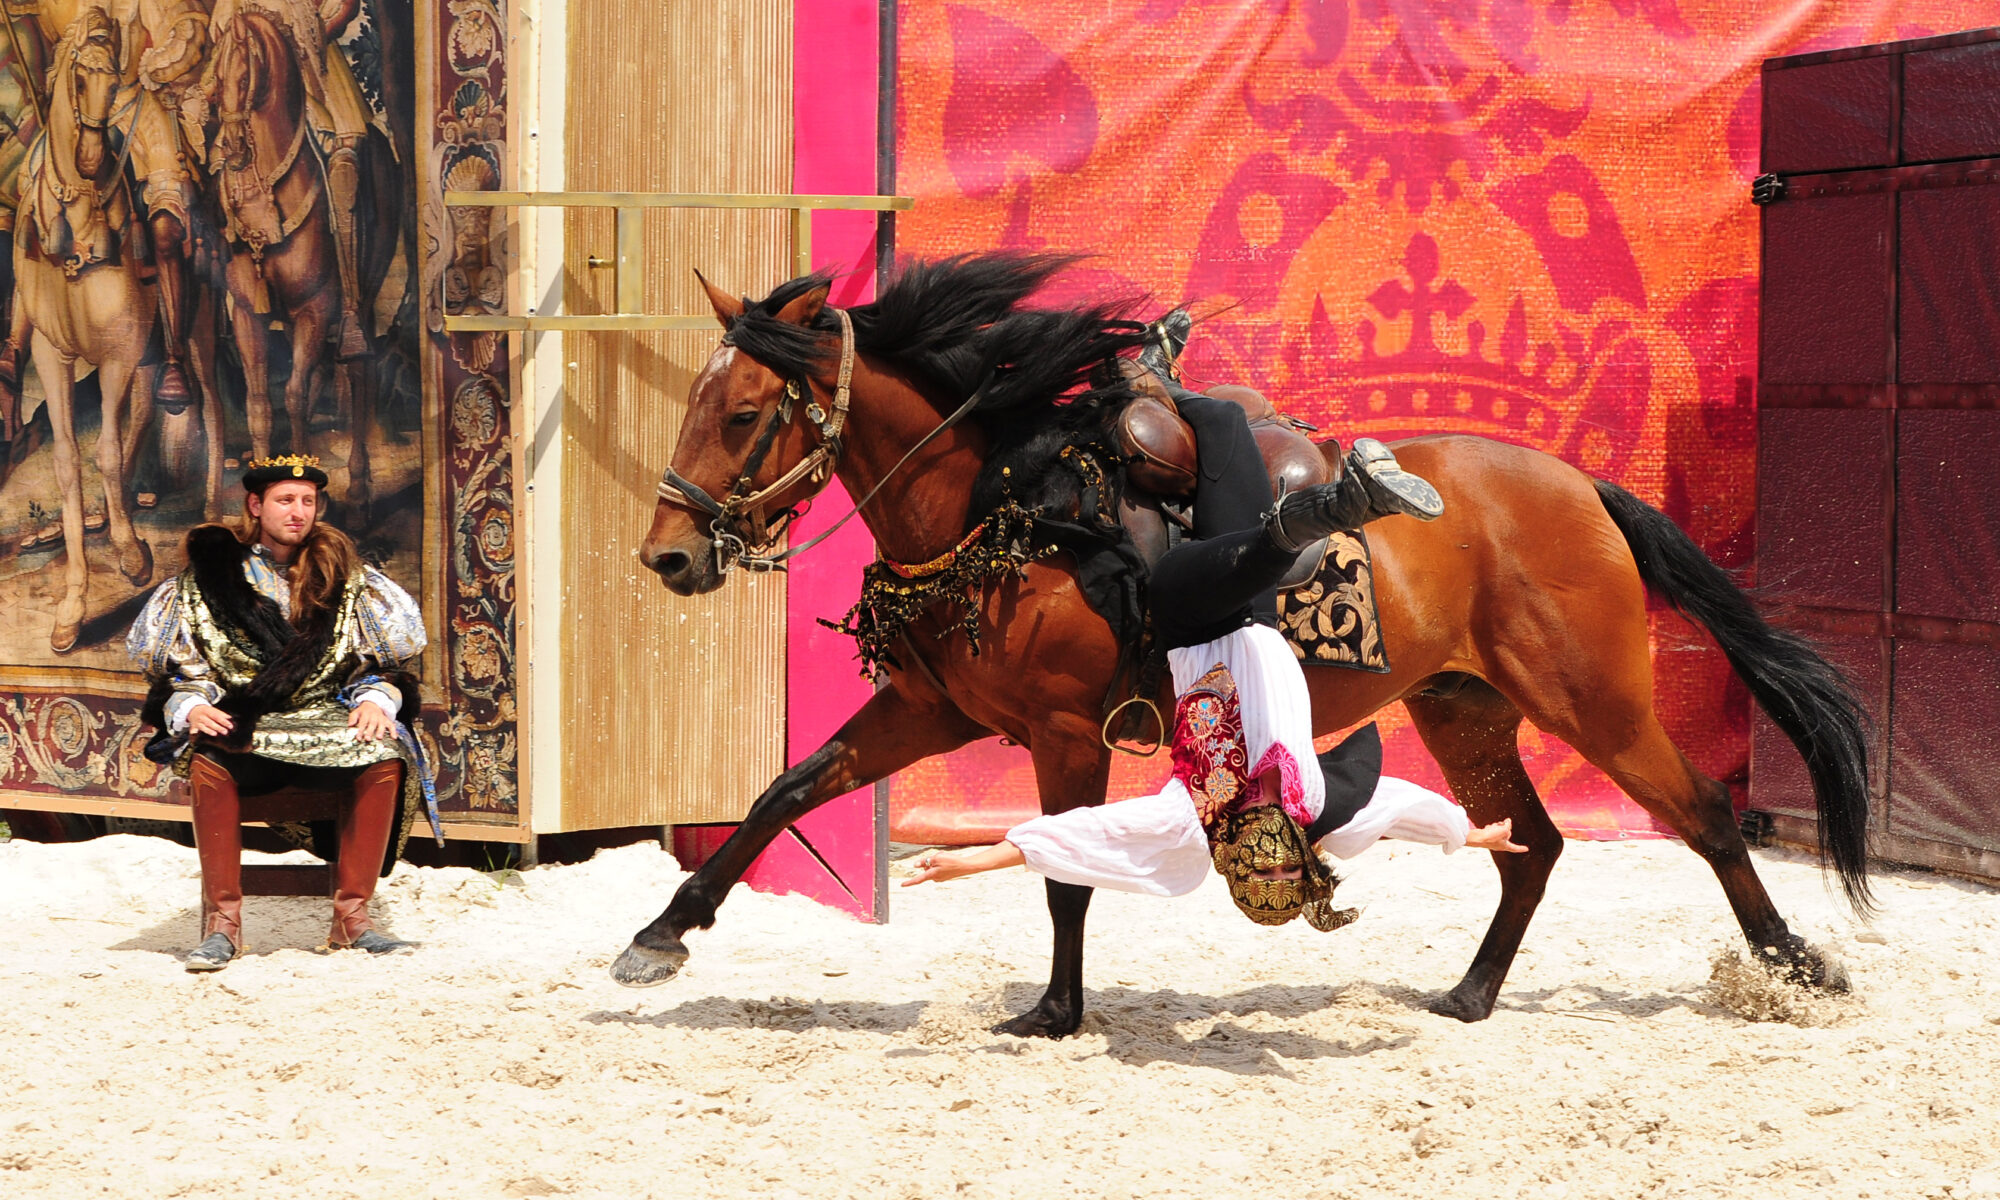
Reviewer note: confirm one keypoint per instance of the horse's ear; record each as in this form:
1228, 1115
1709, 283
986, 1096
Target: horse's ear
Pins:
727, 307
802, 310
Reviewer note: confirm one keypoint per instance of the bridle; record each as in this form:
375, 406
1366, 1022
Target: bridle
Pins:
739, 531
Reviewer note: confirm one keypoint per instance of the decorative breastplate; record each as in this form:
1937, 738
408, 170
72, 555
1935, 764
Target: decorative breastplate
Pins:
1210, 757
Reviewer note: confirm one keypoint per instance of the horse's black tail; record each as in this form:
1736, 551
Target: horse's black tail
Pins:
1804, 695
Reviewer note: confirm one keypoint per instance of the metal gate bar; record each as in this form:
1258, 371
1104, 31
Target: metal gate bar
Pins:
628, 261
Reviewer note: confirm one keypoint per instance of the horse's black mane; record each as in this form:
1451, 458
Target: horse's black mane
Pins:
956, 321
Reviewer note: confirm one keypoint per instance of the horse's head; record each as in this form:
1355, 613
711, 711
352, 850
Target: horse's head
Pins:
95, 73
757, 442
242, 87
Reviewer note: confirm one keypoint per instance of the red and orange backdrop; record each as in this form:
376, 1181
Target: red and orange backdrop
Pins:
1527, 219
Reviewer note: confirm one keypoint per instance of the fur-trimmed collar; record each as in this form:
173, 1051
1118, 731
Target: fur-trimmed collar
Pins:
288, 650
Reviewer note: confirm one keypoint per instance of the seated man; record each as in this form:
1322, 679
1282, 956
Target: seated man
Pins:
1246, 787
278, 659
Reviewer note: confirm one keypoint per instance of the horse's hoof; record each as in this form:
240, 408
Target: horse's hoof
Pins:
1041, 1022
1461, 1007
642, 967
1808, 967
140, 572
63, 640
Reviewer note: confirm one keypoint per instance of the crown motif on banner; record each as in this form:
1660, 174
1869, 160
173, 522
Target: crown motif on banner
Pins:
299, 463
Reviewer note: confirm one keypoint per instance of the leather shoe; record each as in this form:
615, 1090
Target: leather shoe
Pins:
382, 943
1165, 339
214, 953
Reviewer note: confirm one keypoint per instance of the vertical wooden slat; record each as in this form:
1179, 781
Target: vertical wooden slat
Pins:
673, 707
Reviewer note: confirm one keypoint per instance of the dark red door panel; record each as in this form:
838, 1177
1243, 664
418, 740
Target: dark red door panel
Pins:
1948, 514
1947, 754
1951, 103
1825, 311
1948, 318
1823, 506
1829, 116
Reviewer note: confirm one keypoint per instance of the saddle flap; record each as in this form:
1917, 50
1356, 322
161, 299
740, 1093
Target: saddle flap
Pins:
1158, 447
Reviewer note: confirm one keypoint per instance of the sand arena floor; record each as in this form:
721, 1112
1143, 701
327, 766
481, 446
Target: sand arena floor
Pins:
803, 1054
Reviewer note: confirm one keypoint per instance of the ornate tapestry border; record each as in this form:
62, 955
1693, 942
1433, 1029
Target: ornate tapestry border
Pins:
56, 743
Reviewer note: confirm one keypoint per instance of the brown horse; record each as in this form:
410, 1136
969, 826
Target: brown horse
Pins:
1526, 599
283, 263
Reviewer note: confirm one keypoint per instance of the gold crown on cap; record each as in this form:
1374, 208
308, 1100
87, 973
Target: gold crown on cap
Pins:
297, 462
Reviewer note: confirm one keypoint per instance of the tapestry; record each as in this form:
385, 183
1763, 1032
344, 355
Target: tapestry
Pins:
1525, 219
209, 225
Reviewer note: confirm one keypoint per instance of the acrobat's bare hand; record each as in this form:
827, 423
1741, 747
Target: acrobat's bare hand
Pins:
1497, 837
939, 865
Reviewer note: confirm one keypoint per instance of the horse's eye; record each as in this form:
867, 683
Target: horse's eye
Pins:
743, 418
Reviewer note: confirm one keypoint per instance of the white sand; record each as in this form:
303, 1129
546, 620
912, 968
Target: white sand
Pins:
805, 1054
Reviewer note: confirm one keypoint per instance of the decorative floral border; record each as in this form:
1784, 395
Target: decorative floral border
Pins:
474, 736
57, 743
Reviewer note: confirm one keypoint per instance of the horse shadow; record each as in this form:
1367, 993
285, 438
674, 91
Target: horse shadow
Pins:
1139, 1027
1607, 1004
717, 1013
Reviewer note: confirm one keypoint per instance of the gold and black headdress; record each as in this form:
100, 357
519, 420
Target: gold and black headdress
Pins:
1267, 838
260, 473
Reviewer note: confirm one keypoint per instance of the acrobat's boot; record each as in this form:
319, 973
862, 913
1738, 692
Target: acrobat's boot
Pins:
364, 839
218, 842
1165, 339
1375, 485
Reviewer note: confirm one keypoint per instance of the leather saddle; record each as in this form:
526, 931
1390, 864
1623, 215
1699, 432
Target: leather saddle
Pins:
1160, 471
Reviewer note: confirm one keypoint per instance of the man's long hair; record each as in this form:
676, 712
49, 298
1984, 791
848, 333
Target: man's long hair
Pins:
319, 569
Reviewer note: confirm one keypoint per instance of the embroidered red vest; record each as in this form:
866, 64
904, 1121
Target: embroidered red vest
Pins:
1211, 758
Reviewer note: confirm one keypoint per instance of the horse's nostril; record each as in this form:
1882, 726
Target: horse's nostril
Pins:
673, 564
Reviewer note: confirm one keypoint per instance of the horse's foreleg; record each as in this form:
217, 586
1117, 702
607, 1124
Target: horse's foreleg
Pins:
357, 415
1072, 768
134, 557
201, 353
55, 369
250, 335
890, 732
1473, 736
138, 413
308, 351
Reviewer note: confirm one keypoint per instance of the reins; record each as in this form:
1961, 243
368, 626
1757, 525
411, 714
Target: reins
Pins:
728, 535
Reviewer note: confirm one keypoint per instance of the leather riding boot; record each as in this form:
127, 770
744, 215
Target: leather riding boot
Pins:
364, 839
218, 841
343, 185
1374, 485
1165, 339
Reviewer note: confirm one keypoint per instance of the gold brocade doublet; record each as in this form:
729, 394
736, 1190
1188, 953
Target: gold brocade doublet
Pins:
312, 730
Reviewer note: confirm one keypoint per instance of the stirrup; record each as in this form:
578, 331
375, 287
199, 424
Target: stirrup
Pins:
1274, 518
1165, 339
